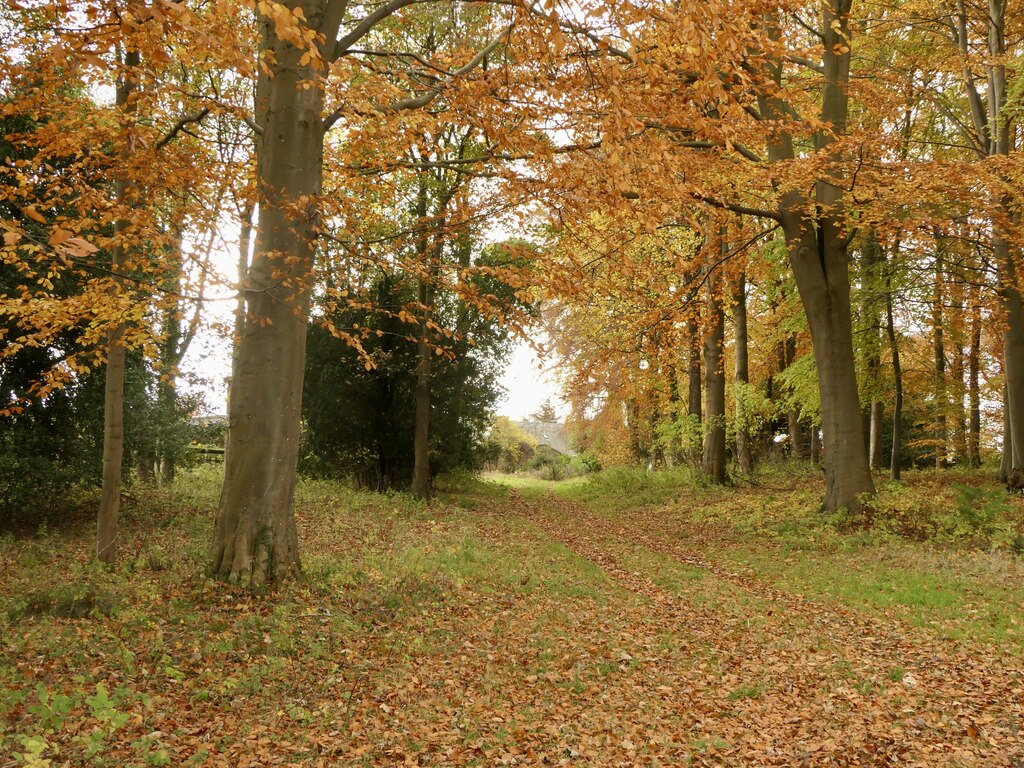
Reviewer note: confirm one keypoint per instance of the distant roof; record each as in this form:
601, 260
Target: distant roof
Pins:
548, 433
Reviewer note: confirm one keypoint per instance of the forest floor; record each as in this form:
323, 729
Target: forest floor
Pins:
628, 620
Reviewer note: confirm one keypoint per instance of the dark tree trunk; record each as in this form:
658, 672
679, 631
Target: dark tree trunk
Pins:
714, 387
693, 407
897, 378
1006, 459
244, 247
744, 449
870, 309
421, 441
958, 412
815, 444
819, 260
787, 356
1013, 353
675, 453
973, 383
637, 447
939, 350
796, 434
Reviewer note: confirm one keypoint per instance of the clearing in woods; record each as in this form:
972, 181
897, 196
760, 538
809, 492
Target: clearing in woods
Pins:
618, 625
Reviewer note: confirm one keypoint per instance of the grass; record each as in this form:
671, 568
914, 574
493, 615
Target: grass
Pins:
465, 615
388, 581
930, 552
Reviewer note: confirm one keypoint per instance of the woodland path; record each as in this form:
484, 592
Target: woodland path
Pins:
490, 628
758, 676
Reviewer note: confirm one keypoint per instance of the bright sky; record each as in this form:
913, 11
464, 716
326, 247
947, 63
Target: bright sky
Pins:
528, 385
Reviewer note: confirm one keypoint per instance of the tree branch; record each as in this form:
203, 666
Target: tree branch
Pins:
423, 99
195, 117
364, 27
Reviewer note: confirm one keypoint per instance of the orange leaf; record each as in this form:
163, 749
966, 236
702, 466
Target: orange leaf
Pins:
33, 214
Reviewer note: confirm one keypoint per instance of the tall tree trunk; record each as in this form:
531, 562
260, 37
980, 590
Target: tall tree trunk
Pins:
1013, 353
796, 434
693, 403
973, 382
637, 448
939, 350
744, 449
113, 391
819, 261
897, 378
871, 256
167, 395
463, 255
421, 438
714, 386
242, 266
1006, 458
815, 444
675, 452
255, 539
957, 411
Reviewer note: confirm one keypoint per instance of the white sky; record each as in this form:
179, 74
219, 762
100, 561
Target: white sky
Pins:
528, 385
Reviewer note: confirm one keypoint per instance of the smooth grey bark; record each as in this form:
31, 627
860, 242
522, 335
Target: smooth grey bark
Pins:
816, 239
825, 291
714, 386
113, 389
744, 448
255, 538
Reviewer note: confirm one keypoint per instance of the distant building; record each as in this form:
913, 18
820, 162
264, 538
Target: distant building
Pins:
549, 434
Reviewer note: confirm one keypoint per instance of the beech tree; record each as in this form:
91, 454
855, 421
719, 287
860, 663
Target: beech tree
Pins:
306, 48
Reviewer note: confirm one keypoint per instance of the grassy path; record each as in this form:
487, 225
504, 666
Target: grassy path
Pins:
488, 628
788, 681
